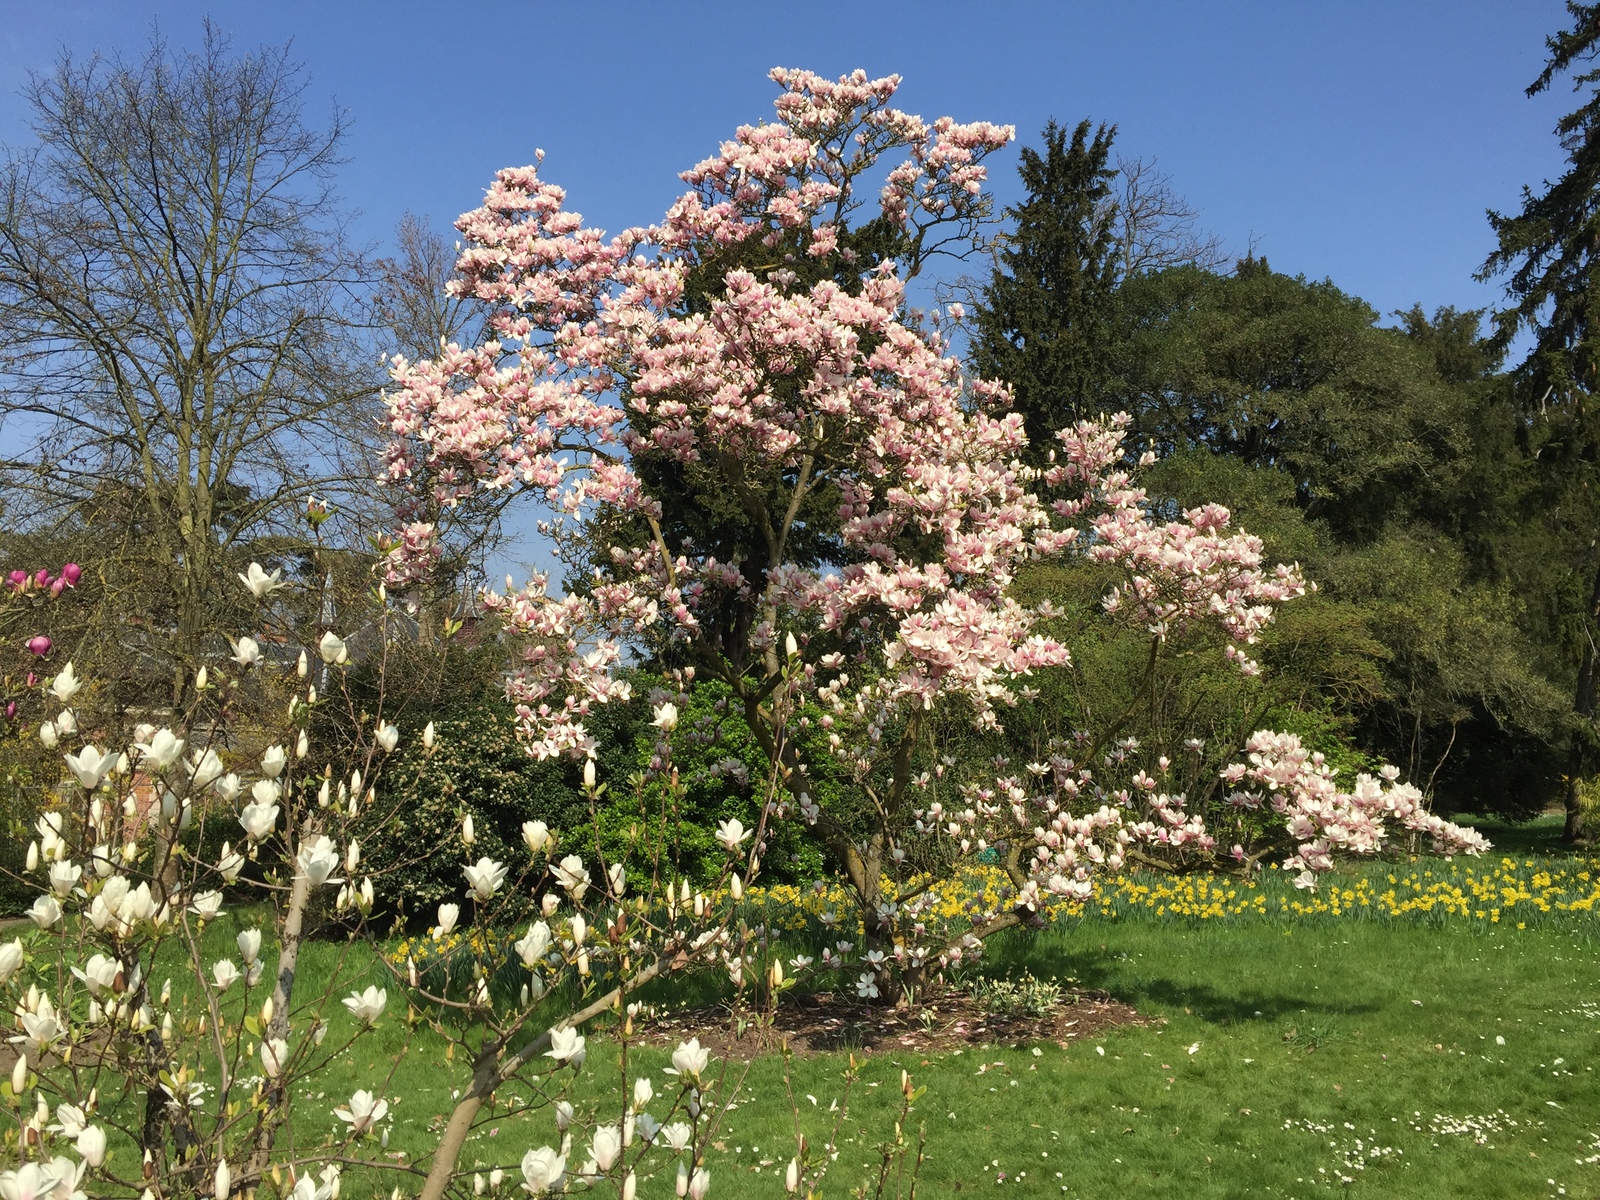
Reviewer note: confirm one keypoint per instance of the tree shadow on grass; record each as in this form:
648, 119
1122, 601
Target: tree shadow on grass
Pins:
1217, 1006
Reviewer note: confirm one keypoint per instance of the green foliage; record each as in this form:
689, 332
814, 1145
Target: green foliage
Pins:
1044, 322
1025, 996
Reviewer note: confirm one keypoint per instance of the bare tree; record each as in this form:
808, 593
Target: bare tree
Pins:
183, 352
1156, 228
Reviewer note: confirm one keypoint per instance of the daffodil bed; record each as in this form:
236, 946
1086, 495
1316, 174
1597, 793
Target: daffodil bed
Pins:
1443, 893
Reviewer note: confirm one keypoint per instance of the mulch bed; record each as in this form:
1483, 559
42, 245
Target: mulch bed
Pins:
828, 1021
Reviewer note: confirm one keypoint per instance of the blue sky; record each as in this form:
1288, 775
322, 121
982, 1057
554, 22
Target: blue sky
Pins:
1360, 142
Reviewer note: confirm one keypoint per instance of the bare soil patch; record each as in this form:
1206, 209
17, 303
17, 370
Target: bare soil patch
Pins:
827, 1022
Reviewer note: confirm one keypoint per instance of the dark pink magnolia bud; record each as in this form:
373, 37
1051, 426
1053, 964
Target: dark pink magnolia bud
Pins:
32, 679
39, 645
55, 588
11, 711
72, 572
42, 578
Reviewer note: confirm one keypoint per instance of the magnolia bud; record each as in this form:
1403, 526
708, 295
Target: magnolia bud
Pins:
791, 1176
266, 1012
302, 745
790, 646
301, 667
468, 831
223, 1182
19, 1077
200, 678
588, 773
736, 886
428, 737
683, 1181
33, 856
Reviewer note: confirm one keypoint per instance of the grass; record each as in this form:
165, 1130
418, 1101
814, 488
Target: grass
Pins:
1300, 1053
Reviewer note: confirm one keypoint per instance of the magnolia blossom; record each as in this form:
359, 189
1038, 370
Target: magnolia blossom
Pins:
666, 717
246, 652
532, 946
273, 760
274, 1056
258, 820
572, 875
162, 749
11, 955
99, 974
367, 1006
566, 1046
318, 859
65, 685
362, 1112
260, 583
388, 737
332, 649
225, 974
64, 877
732, 834
535, 834
90, 766
449, 914
543, 1170
606, 1147
249, 942
485, 878
207, 905
46, 912
691, 1058
229, 862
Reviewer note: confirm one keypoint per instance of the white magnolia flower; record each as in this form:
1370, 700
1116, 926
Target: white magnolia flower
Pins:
485, 878
566, 1045
274, 1054
161, 750
732, 833
225, 973
10, 959
307, 1188
332, 649
246, 652
70, 1120
91, 1145
90, 766
388, 738
542, 1170
535, 834
531, 948
64, 876
666, 717
249, 943
646, 1126
367, 1006
49, 738
678, 1135
228, 788
260, 583
867, 986
449, 914
46, 911
699, 1184
690, 1058
67, 722
207, 905
273, 761
30, 1181
363, 1112
606, 1146
230, 862
258, 820
572, 875
643, 1092
99, 974
204, 768
318, 859
40, 1028
66, 684
580, 929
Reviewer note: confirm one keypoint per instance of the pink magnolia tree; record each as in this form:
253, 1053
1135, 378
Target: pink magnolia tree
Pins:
755, 349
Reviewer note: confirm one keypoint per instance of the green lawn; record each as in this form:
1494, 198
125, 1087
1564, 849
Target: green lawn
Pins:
1294, 1057
1418, 1055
